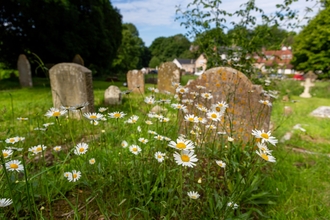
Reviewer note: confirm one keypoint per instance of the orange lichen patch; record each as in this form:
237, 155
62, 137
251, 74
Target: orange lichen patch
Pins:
217, 85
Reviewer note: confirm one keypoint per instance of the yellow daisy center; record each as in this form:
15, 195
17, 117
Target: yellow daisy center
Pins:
264, 135
56, 114
181, 145
134, 149
159, 156
75, 175
265, 102
117, 115
81, 149
11, 140
181, 90
213, 115
5, 154
265, 157
38, 149
191, 119
14, 166
218, 109
185, 158
57, 148
123, 144
193, 197
93, 117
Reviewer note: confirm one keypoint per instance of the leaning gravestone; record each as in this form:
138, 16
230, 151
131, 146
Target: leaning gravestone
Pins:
71, 85
135, 81
322, 112
168, 73
245, 112
24, 70
112, 96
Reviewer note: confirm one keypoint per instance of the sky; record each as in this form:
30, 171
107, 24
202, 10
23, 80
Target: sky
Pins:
156, 18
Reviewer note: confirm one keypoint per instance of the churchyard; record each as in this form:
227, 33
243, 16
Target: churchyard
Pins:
217, 148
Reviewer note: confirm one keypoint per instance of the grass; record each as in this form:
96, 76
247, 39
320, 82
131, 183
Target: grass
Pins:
121, 185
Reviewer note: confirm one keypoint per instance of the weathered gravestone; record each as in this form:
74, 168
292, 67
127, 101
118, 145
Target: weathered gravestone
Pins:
112, 96
311, 75
78, 60
135, 81
245, 112
168, 73
322, 112
71, 85
24, 70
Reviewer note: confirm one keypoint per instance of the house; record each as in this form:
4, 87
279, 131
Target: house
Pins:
188, 65
200, 64
275, 61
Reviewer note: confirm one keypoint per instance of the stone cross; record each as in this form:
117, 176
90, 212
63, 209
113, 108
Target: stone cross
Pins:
307, 85
24, 70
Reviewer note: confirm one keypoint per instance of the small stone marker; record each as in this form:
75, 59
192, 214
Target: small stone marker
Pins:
78, 60
71, 85
135, 81
307, 84
245, 112
168, 73
112, 96
322, 112
24, 70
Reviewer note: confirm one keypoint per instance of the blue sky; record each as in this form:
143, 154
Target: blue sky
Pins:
156, 18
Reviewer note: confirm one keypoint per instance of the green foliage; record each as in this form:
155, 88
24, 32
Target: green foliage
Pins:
57, 30
312, 45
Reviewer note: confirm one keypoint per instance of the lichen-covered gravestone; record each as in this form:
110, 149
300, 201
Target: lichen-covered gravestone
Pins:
71, 85
112, 96
135, 81
245, 111
24, 70
168, 73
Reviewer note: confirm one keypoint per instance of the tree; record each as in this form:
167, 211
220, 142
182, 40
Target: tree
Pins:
131, 52
57, 30
312, 45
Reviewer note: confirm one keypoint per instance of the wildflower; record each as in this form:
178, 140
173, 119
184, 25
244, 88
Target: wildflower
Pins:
139, 129
221, 132
181, 90
135, 149
102, 109
133, 119
179, 106
199, 180
40, 129
265, 156
193, 195
191, 118
116, 115
175, 85
188, 101
230, 139
124, 144
160, 156
47, 124
207, 95
37, 149
22, 119
94, 122
153, 90
263, 148
5, 202
163, 119
221, 163
7, 153
150, 100
182, 144
93, 116
265, 137
12, 140
79, 106
159, 137
68, 175
66, 108
167, 139
232, 205
164, 101
214, 116
91, 161
143, 140
14, 165
74, 176
200, 87
148, 122
211, 127
220, 106
152, 132
201, 120
57, 148
265, 102
55, 112
185, 158
15, 148
81, 148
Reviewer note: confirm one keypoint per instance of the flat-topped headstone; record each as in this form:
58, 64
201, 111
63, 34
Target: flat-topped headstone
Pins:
322, 112
168, 73
71, 85
112, 96
135, 81
245, 110
24, 70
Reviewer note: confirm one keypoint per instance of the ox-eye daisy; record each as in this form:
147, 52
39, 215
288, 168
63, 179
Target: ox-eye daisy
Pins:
214, 116
124, 144
14, 165
5, 202
75, 176
93, 116
135, 149
116, 114
185, 158
92, 161
11, 140
7, 153
37, 149
102, 109
143, 140
182, 144
265, 102
221, 163
193, 195
265, 156
191, 118
55, 112
160, 156
232, 205
57, 148
81, 148
265, 136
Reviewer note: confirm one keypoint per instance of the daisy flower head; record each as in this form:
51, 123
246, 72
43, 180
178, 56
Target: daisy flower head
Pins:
193, 195
263, 148
265, 102
207, 95
48, 124
92, 161
200, 87
175, 84
201, 120
94, 122
191, 118
211, 127
152, 132
14, 165
22, 119
11, 140
143, 140
148, 122
153, 90
75, 176
93, 116
37, 149
266, 156
230, 139
6, 153
221, 163
167, 139
150, 100
182, 144
124, 144
133, 119
159, 137
182, 90
5, 202
57, 148
135, 149
160, 156
102, 109
265, 136
55, 112
185, 158
68, 175
116, 115
179, 107
214, 116
163, 119
220, 106
232, 205
139, 129
81, 148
